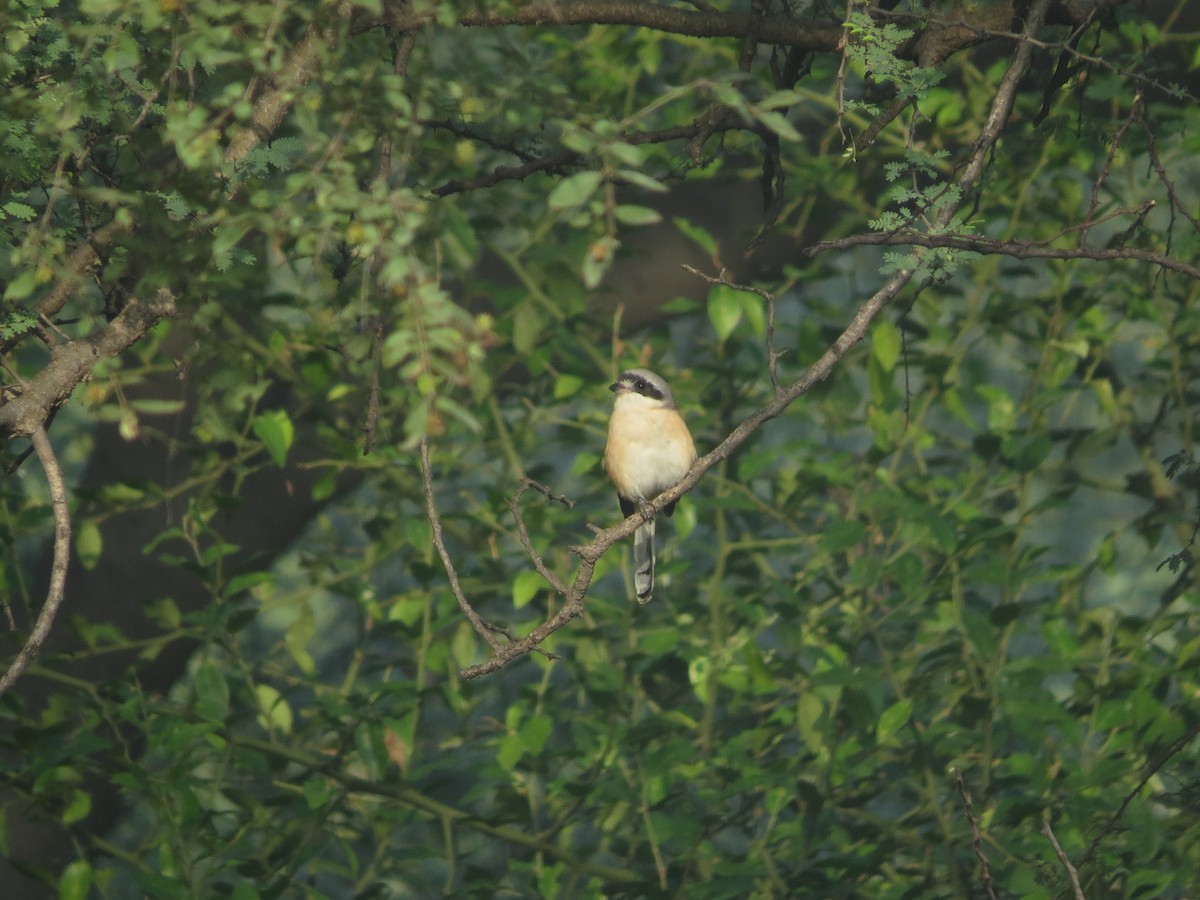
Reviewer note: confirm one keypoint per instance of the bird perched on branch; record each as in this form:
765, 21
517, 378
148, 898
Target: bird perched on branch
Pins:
649, 449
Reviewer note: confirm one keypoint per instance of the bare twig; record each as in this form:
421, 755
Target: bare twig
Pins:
1076, 889
976, 834
58, 567
481, 627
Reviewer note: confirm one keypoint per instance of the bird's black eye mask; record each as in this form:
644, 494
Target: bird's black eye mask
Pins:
646, 389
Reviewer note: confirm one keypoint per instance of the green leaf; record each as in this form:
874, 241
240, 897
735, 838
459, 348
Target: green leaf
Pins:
525, 588
275, 713
597, 259
724, 310
88, 543
778, 124
212, 693
534, 733
697, 234
78, 809
528, 324
892, 720
637, 215
511, 751
275, 430
573, 190
642, 180
567, 386
886, 342
842, 535
75, 881
317, 792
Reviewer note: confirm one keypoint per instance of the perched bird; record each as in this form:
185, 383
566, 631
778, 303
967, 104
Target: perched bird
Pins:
649, 449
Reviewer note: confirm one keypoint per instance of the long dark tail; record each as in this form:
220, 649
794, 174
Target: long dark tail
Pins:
643, 561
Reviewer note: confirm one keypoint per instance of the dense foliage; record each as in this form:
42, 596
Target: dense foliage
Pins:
930, 632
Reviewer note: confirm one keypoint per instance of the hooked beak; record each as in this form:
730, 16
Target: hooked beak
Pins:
617, 388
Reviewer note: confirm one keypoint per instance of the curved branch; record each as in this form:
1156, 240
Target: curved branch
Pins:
435, 523
58, 567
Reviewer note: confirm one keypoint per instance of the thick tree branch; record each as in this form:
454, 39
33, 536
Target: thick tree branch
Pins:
273, 104
590, 553
58, 567
708, 23
71, 363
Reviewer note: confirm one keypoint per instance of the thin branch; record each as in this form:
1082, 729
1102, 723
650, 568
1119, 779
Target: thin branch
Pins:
1016, 249
976, 834
589, 554
370, 424
1106, 169
558, 162
477, 622
978, 34
58, 566
900, 103
1076, 889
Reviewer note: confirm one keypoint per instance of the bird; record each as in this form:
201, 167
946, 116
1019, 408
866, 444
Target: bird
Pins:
649, 449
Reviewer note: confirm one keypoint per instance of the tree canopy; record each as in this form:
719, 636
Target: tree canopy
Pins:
313, 584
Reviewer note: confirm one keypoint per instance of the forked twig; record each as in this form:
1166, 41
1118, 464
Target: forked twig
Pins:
514, 504
484, 628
